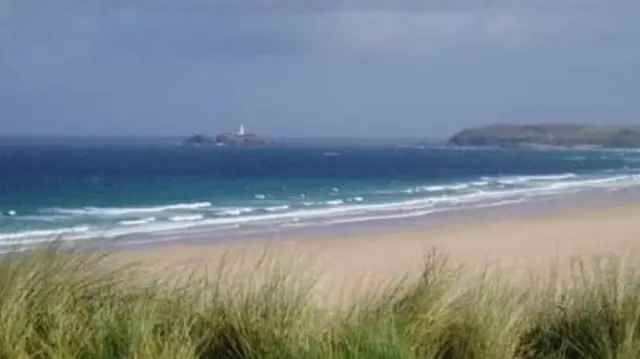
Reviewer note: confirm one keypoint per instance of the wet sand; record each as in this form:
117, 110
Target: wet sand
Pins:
343, 263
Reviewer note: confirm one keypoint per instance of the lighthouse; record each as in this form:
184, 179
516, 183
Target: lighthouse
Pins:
241, 130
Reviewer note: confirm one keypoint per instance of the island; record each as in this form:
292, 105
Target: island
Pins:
548, 135
241, 137
198, 139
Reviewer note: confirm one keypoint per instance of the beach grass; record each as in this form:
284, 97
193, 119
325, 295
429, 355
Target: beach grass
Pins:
61, 304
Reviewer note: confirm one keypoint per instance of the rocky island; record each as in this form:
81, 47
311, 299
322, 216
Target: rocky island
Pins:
238, 138
548, 135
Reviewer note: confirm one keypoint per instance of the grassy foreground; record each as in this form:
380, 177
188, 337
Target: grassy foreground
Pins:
56, 304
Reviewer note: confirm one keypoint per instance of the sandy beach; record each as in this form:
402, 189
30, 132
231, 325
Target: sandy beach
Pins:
341, 264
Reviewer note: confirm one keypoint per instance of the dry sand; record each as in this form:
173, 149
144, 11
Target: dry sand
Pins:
343, 264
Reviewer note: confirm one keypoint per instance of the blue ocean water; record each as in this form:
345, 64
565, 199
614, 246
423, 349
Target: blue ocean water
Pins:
91, 190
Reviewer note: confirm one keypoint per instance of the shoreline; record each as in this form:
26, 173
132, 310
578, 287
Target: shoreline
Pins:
515, 244
346, 312
584, 201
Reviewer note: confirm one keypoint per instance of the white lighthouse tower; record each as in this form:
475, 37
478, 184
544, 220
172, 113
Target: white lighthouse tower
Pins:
241, 130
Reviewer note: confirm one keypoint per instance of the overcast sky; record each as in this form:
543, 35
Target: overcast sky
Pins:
348, 68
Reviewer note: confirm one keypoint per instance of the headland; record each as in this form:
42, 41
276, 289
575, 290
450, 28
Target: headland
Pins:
549, 135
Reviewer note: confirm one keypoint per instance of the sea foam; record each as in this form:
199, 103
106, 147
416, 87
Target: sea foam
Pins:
194, 217
137, 222
123, 211
381, 204
53, 234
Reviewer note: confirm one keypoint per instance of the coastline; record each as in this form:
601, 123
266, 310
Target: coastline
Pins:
516, 241
584, 201
358, 305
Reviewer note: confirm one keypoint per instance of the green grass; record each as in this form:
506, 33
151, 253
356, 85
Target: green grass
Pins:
57, 304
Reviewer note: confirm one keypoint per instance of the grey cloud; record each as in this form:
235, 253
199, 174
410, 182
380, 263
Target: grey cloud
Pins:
199, 27
395, 32
298, 6
388, 67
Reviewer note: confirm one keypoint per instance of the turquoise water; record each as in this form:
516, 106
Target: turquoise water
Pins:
84, 191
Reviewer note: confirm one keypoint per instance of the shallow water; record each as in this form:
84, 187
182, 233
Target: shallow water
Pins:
109, 191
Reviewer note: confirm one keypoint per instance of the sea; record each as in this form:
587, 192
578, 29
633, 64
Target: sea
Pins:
119, 191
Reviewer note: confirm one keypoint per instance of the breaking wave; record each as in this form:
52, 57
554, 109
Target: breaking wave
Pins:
110, 211
334, 206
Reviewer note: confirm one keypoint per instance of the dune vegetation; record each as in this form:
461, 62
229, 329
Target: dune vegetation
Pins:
58, 304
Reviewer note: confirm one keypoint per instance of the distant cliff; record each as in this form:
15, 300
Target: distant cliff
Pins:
561, 135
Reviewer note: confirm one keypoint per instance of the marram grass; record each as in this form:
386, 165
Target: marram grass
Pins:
63, 305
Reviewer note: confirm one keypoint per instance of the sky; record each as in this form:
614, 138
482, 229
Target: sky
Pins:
314, 68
